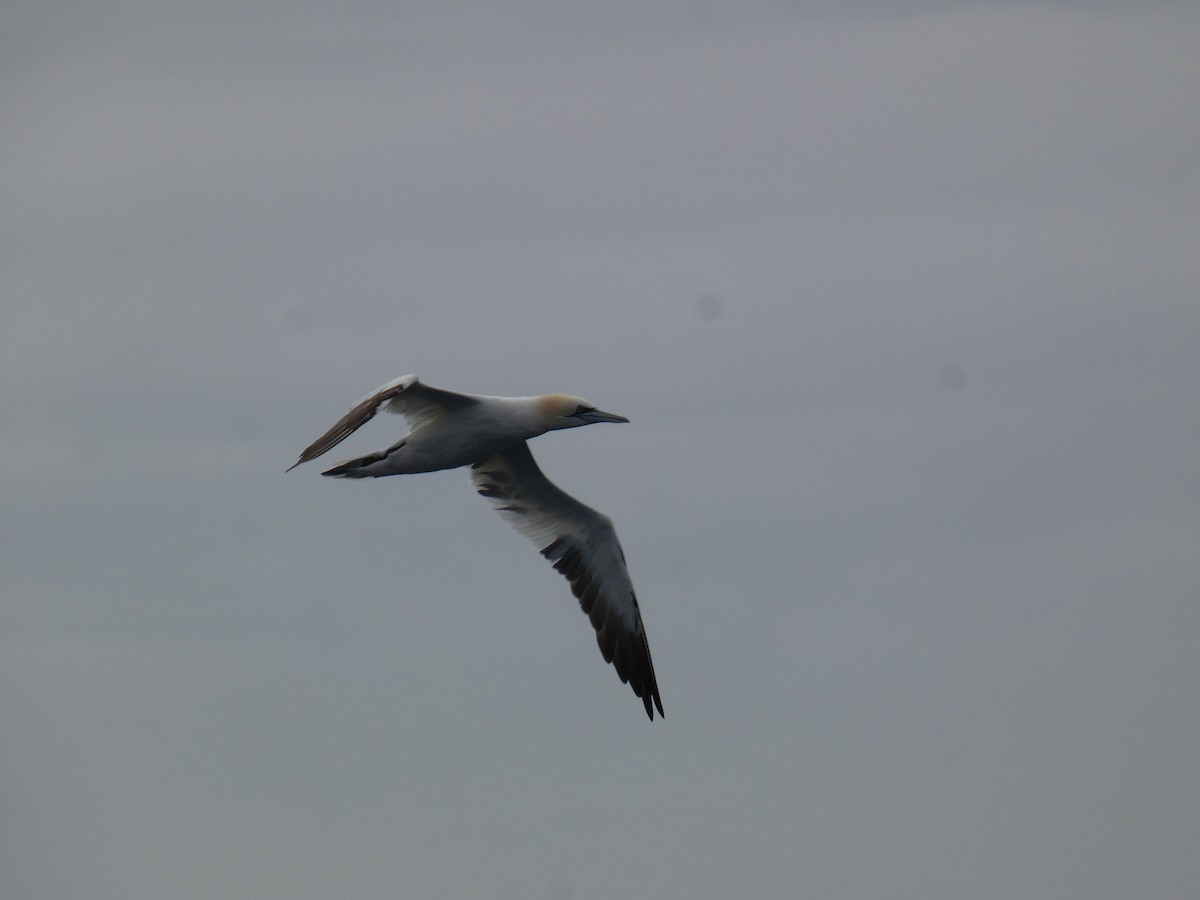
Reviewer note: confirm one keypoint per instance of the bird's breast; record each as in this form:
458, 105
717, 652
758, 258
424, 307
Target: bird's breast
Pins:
462, 440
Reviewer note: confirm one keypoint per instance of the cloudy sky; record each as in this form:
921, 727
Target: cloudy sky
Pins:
901, 299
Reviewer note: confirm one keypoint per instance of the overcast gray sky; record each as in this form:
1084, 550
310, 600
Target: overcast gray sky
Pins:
902, 299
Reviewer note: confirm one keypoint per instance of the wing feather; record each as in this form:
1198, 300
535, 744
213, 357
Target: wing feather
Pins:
582, 544
418, 403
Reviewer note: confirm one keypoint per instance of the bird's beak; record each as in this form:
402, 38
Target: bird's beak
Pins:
599, 415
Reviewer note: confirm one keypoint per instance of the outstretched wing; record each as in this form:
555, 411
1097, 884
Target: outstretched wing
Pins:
418, 403
582, 544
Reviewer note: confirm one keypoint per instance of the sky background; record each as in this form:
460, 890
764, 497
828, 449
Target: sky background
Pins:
902, 300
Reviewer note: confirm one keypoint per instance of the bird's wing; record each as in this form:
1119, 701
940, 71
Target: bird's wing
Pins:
417, 402
582, 544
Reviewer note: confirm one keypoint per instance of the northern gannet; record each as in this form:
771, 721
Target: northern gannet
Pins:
448, 430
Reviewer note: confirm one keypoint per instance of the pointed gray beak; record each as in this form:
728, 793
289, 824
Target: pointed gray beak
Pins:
599, 415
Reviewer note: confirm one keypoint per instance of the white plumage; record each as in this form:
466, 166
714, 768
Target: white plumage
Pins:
448, 430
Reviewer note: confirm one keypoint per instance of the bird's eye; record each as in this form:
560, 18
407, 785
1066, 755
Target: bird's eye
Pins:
581, 409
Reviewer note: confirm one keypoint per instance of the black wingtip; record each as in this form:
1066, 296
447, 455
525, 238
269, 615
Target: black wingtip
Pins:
652, 696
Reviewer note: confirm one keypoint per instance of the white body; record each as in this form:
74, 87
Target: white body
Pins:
468, 435
489, 434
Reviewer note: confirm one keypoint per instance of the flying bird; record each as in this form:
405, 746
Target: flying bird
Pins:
448, 430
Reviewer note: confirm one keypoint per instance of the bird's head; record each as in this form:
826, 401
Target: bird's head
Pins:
565, 411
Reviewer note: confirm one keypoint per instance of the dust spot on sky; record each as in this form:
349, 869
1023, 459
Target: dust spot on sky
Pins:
297, 319
951, 377
708, 307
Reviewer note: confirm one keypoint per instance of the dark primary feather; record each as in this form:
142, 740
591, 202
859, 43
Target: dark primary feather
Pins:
362, 412
417, 402
581, 544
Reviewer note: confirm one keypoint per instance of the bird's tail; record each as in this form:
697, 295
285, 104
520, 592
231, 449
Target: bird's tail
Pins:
366, 466
356, 468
